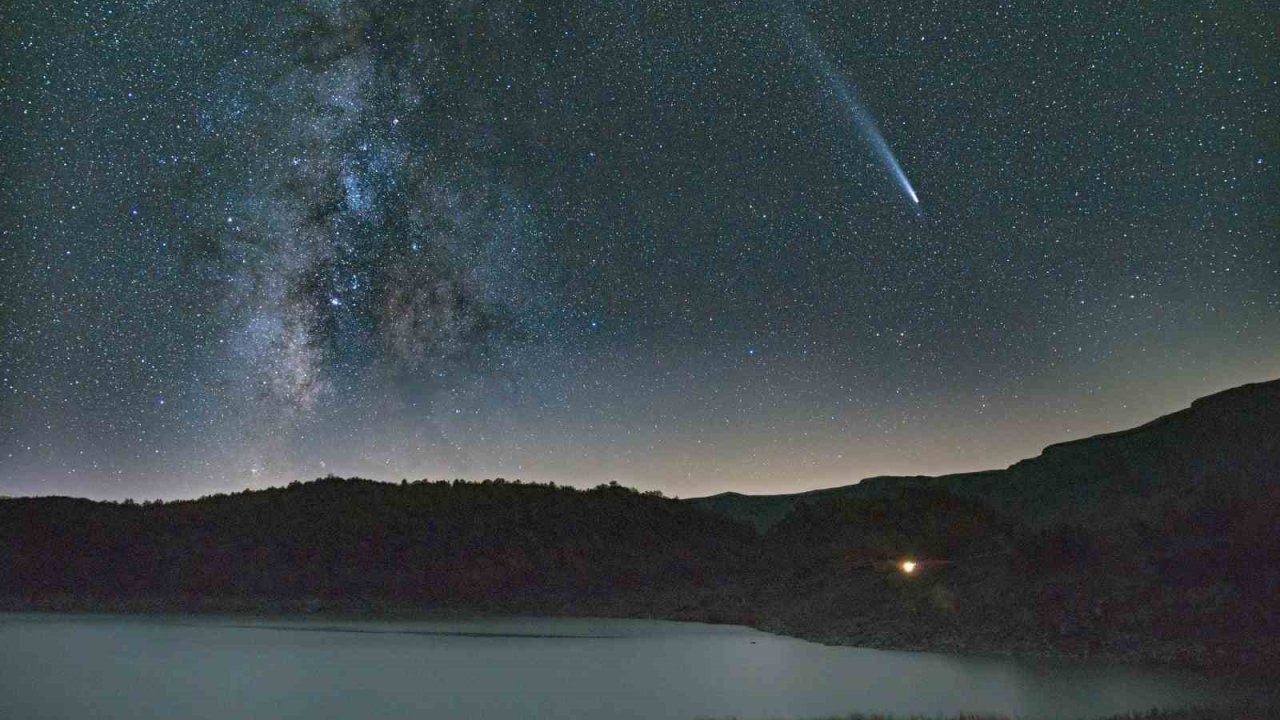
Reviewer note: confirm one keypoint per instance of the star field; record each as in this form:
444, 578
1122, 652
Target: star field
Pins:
246, 243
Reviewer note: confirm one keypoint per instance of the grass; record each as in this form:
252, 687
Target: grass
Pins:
1238, 711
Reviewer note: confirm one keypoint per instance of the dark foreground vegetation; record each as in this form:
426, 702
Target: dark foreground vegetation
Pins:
1159, 544
352, 544
1247, 711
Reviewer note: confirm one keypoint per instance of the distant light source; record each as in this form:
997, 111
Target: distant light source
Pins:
908, 566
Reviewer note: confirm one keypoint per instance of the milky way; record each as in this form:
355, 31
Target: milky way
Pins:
381, 245
244, 243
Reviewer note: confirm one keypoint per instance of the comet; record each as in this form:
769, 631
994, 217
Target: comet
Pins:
848, 97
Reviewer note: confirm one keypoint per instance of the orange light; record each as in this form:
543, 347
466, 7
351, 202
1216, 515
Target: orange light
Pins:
908, 566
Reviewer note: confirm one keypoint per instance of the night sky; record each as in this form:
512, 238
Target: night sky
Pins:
691, 247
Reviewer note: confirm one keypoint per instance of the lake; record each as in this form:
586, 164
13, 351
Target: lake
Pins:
219, 668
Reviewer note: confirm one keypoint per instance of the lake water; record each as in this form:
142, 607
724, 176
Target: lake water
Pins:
220, 668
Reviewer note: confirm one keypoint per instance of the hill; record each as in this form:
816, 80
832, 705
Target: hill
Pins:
352, 544
1161, 542
1225, 444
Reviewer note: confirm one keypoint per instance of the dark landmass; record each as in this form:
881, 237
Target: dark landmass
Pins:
1235, 711
351, 544
1156, 544
1226, 443
1160, 543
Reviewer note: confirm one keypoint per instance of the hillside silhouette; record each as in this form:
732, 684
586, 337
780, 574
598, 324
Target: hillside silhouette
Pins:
1160, 543
1226, 444
344, 544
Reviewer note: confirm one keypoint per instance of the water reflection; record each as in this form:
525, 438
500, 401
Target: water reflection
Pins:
54, 667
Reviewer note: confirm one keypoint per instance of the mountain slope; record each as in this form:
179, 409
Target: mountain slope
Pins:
351, 544
1159, 543
1224, 444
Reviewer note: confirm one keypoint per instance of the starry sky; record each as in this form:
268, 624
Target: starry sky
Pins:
669, 244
